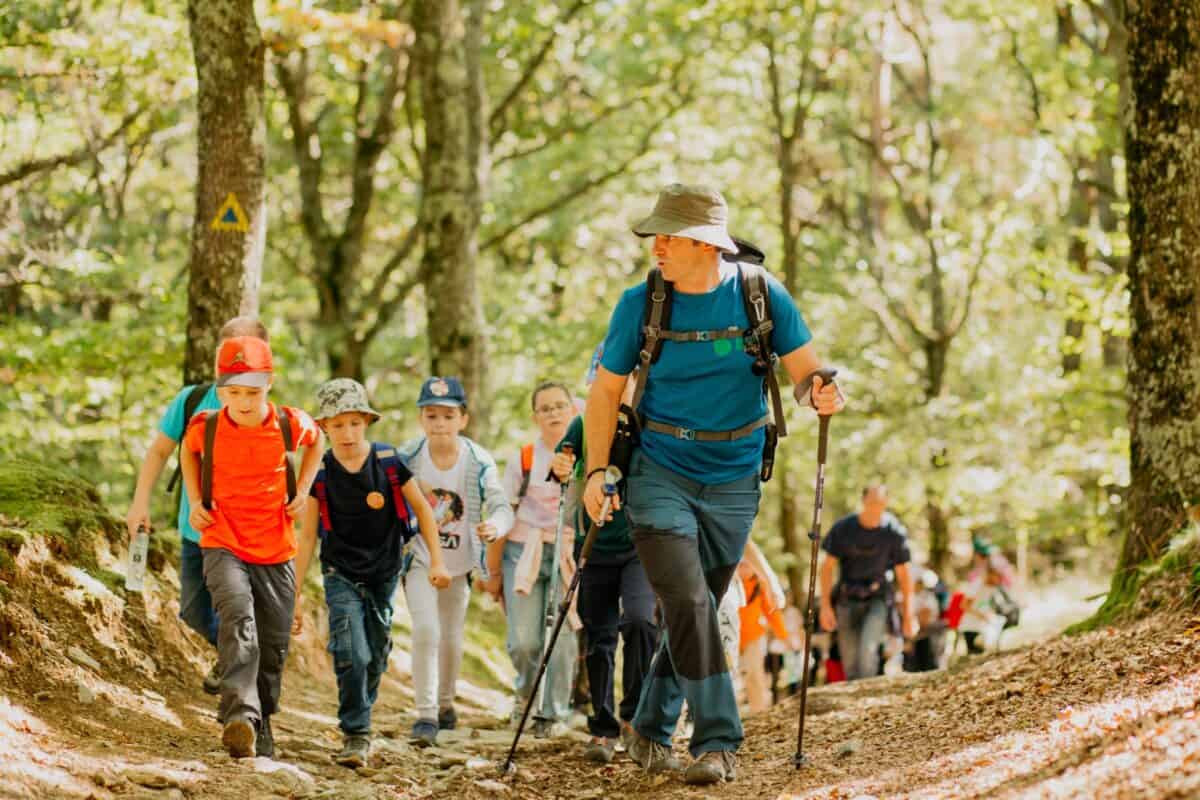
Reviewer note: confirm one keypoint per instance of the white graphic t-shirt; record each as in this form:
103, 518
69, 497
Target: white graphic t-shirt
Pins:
446, 491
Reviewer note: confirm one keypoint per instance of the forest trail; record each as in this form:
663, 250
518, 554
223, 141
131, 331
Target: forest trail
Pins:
101, 698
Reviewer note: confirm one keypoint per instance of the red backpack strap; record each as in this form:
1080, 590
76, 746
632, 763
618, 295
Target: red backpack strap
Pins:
289, 447
391, 467
323, 497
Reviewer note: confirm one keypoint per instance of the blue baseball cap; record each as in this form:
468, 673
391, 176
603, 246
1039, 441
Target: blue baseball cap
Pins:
437, 391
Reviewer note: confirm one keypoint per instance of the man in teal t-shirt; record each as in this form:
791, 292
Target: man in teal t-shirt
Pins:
195, 603
693, 485
614, 597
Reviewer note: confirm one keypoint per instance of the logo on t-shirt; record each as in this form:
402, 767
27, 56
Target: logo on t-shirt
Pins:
448, 510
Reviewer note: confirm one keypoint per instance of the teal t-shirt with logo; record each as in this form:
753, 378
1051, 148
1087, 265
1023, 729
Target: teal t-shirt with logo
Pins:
173, 426
704, 386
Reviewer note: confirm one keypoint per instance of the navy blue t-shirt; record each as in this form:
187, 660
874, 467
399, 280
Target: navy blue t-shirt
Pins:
866, 554
366, 543
705, 386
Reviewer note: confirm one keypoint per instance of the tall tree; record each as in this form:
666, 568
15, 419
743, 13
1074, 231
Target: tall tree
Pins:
1163, 162
230, 226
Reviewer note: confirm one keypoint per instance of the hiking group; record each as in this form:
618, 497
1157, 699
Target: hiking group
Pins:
684, 404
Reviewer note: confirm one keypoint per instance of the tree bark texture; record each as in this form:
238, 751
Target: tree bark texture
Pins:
226, 265
1163, 154
452, 116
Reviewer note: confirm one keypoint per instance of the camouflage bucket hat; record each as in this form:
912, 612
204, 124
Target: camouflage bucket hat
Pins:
694, 212
342, 395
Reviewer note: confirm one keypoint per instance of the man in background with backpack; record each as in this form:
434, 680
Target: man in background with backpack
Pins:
706, 334
195, 602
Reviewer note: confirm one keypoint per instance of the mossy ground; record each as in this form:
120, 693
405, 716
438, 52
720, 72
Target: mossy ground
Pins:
62, 509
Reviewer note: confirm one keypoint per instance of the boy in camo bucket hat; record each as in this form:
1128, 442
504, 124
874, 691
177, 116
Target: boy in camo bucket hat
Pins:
367, 503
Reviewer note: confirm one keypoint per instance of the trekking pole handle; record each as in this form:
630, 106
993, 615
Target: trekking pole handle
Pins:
803, 390
568, 449
612, 476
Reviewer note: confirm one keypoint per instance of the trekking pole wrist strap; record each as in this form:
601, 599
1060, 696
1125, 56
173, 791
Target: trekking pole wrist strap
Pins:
596, 471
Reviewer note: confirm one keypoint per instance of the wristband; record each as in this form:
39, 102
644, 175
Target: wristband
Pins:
594, 471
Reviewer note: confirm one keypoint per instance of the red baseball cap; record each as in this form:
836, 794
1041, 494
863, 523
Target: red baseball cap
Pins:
244, 361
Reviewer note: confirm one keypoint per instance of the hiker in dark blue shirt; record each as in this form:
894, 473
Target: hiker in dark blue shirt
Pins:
862, 548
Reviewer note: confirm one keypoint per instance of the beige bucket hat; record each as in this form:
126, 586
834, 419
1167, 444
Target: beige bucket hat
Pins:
695, 212
341, 395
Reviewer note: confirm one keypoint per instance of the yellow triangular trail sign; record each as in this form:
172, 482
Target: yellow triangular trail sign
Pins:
230, 216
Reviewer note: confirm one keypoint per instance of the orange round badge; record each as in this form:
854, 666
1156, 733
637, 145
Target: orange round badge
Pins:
375, 500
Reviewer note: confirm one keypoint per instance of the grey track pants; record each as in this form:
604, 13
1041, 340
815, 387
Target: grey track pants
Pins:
255, 603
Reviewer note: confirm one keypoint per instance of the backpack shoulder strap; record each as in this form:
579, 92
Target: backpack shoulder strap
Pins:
390, 460
526, 471
211, 419
322, 494
194, 396
289, 448
655, 318
756, 297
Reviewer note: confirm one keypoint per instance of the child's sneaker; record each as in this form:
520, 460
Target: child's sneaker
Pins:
424, 733
447, 719
548, 729
356, 749
238, 738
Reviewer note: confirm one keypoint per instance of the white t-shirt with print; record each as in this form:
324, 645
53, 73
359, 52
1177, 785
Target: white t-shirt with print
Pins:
446, 491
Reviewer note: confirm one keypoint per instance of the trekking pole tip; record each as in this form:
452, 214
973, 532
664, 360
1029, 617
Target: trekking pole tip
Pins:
508, 769
800, 761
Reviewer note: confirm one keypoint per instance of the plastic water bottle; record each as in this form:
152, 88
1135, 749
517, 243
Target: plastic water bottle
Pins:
135, 575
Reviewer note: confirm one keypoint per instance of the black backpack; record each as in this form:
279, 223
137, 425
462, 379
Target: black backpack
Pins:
189, 410
656, 322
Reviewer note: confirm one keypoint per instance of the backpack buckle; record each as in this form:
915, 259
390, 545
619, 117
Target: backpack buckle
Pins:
686, 434
652, 332
659, 297
644, 356
703, 336
760, 307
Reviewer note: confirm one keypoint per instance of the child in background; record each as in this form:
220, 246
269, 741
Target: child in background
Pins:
364, 496
244, 508
463, 479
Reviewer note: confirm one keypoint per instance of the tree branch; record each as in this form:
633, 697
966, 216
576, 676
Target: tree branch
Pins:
496, 120
563, 131
78, 156
312, 212
976, 269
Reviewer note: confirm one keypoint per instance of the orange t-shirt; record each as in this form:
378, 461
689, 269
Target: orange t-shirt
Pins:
757, 614
250, 485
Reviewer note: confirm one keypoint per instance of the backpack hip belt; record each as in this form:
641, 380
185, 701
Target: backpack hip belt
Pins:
690, 435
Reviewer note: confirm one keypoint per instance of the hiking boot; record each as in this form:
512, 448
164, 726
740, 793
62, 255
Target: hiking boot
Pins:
424, 733
212, 681
447, 719
712, 767
238, 738
548, 729
265, 743
652, 756
599, 750
627, 735
356, 748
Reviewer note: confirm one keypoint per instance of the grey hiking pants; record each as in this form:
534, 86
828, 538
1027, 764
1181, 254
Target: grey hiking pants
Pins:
255, 603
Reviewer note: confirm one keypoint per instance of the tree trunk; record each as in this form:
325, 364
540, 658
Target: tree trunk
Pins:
939, 532
450, 107
789, 525
1163, 156
1078, 217
230, 225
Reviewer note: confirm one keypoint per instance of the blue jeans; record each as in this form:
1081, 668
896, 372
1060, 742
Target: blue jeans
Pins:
690, 537
527, 633
195, 603
360, 640
862, 624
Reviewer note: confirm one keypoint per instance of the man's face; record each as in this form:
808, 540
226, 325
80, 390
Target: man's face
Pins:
247, 405
441, 423
678, 256
875, 501
552, 411
346, 431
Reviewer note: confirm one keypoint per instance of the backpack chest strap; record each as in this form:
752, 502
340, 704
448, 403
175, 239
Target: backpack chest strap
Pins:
733, 332
687, 434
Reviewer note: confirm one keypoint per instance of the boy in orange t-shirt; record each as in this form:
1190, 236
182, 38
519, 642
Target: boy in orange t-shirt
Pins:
245, 517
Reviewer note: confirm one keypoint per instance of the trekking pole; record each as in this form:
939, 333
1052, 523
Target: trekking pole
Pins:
814, 535
548, 607
612, 476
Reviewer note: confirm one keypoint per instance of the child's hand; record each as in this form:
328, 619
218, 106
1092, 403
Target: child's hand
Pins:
494, 586
296, 507
439, 578
138, 517
561, 466
487, 532
298, 619
200, 517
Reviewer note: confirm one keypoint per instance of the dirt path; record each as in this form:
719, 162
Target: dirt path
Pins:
1108, 715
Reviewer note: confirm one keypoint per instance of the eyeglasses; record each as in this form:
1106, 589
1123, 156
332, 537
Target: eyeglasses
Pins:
550, 409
